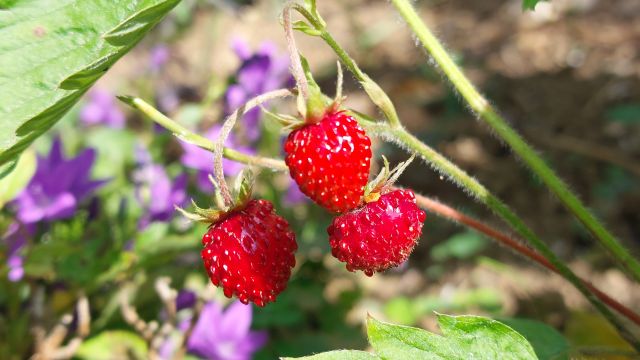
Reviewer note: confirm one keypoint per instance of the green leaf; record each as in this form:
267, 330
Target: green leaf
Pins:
459, 246
530, 4
624, 114
16, 180
464, 337
113, 345
548, 343
339, 355
52, 51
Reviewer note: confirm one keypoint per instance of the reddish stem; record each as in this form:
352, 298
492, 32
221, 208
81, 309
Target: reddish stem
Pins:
449, 213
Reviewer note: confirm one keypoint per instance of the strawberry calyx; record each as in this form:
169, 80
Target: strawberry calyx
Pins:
384, 180
242, 191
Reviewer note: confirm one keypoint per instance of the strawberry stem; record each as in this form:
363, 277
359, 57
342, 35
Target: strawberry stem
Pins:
394, 132
451, 214
189, 136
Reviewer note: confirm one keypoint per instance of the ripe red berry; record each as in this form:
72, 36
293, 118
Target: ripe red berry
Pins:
379, 235
250, 253
330, 161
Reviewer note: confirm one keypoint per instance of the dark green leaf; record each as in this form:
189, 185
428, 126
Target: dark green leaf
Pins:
548, 343
340, 355
464, 337
52, 51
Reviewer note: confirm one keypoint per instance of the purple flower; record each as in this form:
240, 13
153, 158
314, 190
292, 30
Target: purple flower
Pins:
16, 238
158, 57
294, 196
202, 160
185, 299
225, 335
102, 109
57, 186
260, 72
155, 191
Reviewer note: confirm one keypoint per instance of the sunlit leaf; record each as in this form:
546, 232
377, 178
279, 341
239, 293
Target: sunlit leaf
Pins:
52, 51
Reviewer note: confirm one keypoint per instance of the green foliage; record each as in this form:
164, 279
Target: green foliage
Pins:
624, 114
341, 355
460, 246
114, 345
18, 178
464, 337
52, 51
547, 342
530, 4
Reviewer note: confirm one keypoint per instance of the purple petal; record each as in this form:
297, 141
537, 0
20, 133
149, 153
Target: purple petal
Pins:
56, 155
16, 274
115, 118
235, 97
204, 338
185, 299
178, 190
253, 72
101, 108
294, 196
236, 321
62, 207
159, 57
241, 48
253, 342
69, 174
30, 214
91, 114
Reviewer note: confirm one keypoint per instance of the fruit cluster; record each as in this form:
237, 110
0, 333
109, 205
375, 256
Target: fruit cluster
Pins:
249, 250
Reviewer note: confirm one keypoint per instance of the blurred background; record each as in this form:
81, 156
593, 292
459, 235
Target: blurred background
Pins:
97, 219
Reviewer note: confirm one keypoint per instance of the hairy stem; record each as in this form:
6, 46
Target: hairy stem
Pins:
187, 135
485, 112
481, 194
394, 132
451, 214
294, 56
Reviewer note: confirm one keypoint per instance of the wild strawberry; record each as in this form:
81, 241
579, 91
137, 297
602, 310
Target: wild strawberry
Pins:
330, 160
249, 252
379, 235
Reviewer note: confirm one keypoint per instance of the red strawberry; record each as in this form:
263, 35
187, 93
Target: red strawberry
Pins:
250, 253
330, 160
379, 235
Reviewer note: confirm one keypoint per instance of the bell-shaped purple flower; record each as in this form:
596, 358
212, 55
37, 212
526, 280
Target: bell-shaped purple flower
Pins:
202, 160
156, 192
101, 108
225, 335
260, 72
15, 239
57, 187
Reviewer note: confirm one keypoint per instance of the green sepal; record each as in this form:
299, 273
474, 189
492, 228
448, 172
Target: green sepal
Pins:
317, 104
386, 178
288, 122
379, 180
207, 216
306, 28
243, 187
313, 9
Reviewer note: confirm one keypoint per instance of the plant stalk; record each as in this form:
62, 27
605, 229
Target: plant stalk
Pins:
394, 132
485, 112
187, 135
446, 212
